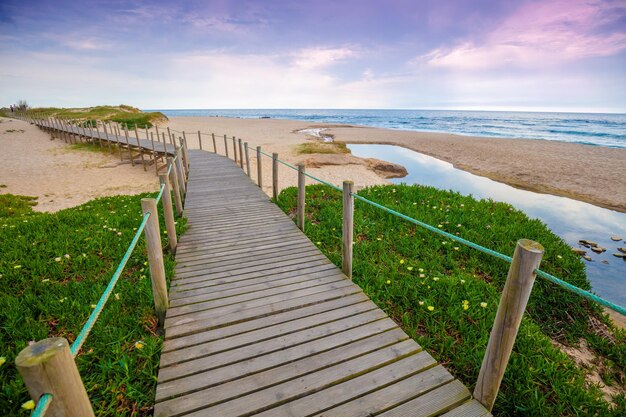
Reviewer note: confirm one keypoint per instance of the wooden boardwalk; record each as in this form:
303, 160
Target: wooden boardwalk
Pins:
262, 323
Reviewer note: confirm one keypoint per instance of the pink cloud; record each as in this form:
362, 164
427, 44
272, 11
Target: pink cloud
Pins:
321, 57
539, 33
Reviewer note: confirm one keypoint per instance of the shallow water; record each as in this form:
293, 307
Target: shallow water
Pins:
571, 219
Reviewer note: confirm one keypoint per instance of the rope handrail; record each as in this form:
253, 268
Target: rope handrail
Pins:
82, 336
557, 281
42, 406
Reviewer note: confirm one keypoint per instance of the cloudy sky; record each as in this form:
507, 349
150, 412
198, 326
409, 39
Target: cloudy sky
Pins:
421, 54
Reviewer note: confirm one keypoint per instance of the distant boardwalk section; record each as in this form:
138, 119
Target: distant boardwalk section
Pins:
261, 323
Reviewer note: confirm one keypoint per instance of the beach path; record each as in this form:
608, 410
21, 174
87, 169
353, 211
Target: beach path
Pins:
262, 323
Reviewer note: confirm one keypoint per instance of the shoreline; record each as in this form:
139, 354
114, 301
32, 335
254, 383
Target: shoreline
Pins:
588, 173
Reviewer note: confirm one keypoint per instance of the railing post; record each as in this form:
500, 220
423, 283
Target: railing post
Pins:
519, 284
168, 211
259, 168
186, 152
174, 182
200, 139
214, 144
179, 171
275, 176
235, 150
143, 161
48, 367
155, 257
240, 154
301, 196
226, 146
130, 151
348, 228
245, 146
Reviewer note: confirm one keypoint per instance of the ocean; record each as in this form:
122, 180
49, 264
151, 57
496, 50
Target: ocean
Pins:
586, 128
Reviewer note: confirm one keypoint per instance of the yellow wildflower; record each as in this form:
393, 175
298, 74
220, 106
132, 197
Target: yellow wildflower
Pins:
67, 256
2, 360
57, 259
139, 345
431, 308
462, 281
401, 261
388, 281
117, 296
410, 268
28, 405
421, 269
93, 306
436, 279
421, 303
17, 266
483, 305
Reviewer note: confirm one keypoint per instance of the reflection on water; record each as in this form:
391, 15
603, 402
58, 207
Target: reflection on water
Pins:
571, 219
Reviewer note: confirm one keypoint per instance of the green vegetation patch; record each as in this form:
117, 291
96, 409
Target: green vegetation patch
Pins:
322, 147
445, 295
128, 116
53, 270
16, 205
89, 146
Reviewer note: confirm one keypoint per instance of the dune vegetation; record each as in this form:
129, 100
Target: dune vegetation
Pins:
125, 115
53, 269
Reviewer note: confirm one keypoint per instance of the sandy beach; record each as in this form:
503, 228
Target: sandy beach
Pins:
582, 172
60, 176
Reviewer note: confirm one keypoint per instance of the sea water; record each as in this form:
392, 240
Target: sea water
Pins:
586, 128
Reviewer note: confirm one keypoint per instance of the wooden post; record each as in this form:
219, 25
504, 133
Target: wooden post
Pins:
186, 153
169, 135
245, 146
143, 161
168, 212
185, 148
164, 143
301, 196
275, 176
155, 157
348, 228
200, 139
235, 150
240, 154
519, 284
174, 182
226, 146
155, 257
259, 168
179, 171
48, 367
214, 143
130, 152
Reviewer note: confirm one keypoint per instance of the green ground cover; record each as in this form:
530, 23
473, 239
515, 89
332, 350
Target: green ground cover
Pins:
53, 269
445, 295
125, 115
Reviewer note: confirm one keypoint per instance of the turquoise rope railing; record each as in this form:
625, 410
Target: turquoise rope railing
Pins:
557, 281
78, 343
42, 406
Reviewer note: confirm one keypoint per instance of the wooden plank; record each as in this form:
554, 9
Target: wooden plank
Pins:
294, 361
432, 403
470, 408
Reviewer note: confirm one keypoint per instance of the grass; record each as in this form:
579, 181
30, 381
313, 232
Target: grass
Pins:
322, 147
89, 146
128, 116
16, 205
445, 295
14, 131
53, 267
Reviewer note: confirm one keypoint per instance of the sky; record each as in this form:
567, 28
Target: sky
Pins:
546, 55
